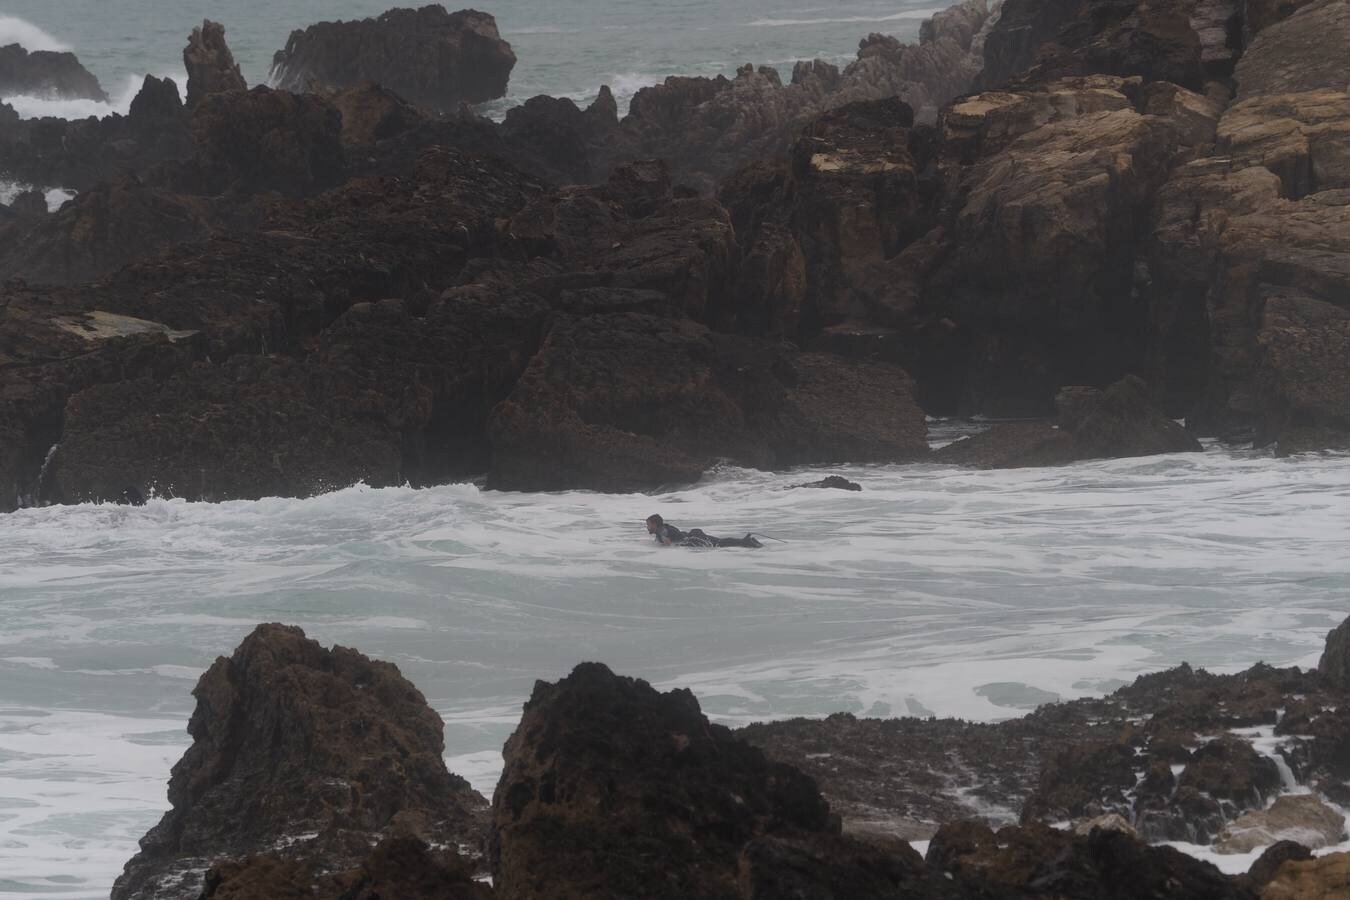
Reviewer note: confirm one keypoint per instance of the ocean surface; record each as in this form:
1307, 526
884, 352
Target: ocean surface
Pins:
934, 591
566, 48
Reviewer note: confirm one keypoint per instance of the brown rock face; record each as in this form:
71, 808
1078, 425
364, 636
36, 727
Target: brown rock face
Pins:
616, 402
708, 128
434, 59
311, 753
210, 65
613, 790
1324, 878
267, 140
1181, 42
1334, 667
399, 867
1036, 860
1303, 818
44, 73
100, 231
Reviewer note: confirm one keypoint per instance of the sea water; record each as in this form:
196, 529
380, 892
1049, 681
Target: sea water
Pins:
566, 48
934, 591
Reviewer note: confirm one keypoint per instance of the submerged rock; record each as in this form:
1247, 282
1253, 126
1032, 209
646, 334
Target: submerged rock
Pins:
836, 482
434, 59
308, 753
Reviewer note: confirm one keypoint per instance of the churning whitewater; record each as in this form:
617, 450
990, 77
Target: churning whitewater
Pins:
935, 591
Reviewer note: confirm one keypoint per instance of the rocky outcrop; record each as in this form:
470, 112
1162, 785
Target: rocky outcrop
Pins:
46, 73
79, 153
1087, 761
617, 402
315, 754
833, 482
102, 230
709, 128
1273, 234
1119, 422
1041, 861
210, 65
402, 867
433, 59
1301, 818
1334, 666
267, 140
613, 790
1183, 43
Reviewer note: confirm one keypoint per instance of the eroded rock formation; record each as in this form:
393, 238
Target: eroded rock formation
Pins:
432, 58
46, 73
310, 753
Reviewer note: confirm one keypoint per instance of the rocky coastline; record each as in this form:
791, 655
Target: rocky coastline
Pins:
318, 773
262, 292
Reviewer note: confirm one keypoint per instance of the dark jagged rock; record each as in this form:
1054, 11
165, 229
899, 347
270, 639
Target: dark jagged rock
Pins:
434, 59
836, 482
78, 153
45, 73
613, 790
1269, 862
398, 867
1041, 861
310, 753
387, 398
1084, 782
1273, 236
1334, 666
824, 868
30, 204
901, 778
267, 140
210, 65
101, 230
1127, 423
619, 402
371, 113
1116, 423
1037, 40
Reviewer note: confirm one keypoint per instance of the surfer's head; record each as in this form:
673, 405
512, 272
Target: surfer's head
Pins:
653, 523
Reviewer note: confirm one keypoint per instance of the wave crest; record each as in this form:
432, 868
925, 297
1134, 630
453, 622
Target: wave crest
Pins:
14, 30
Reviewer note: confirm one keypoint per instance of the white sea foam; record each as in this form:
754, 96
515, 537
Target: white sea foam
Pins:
914, 594
849, 20
33, 107
14, 30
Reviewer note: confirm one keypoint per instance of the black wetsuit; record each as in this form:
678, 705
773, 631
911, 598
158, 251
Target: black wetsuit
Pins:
671, 536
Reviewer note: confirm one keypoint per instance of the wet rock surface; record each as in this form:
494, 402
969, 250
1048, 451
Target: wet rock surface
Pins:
1135, 191
1118, 422
313, 753
613, 790
210, 65
46, 73
1171, 756
432, 58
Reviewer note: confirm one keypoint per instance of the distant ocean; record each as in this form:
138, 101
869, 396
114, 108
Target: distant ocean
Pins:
566, 48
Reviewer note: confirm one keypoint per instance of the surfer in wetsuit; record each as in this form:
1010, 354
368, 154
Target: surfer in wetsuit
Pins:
670, 536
